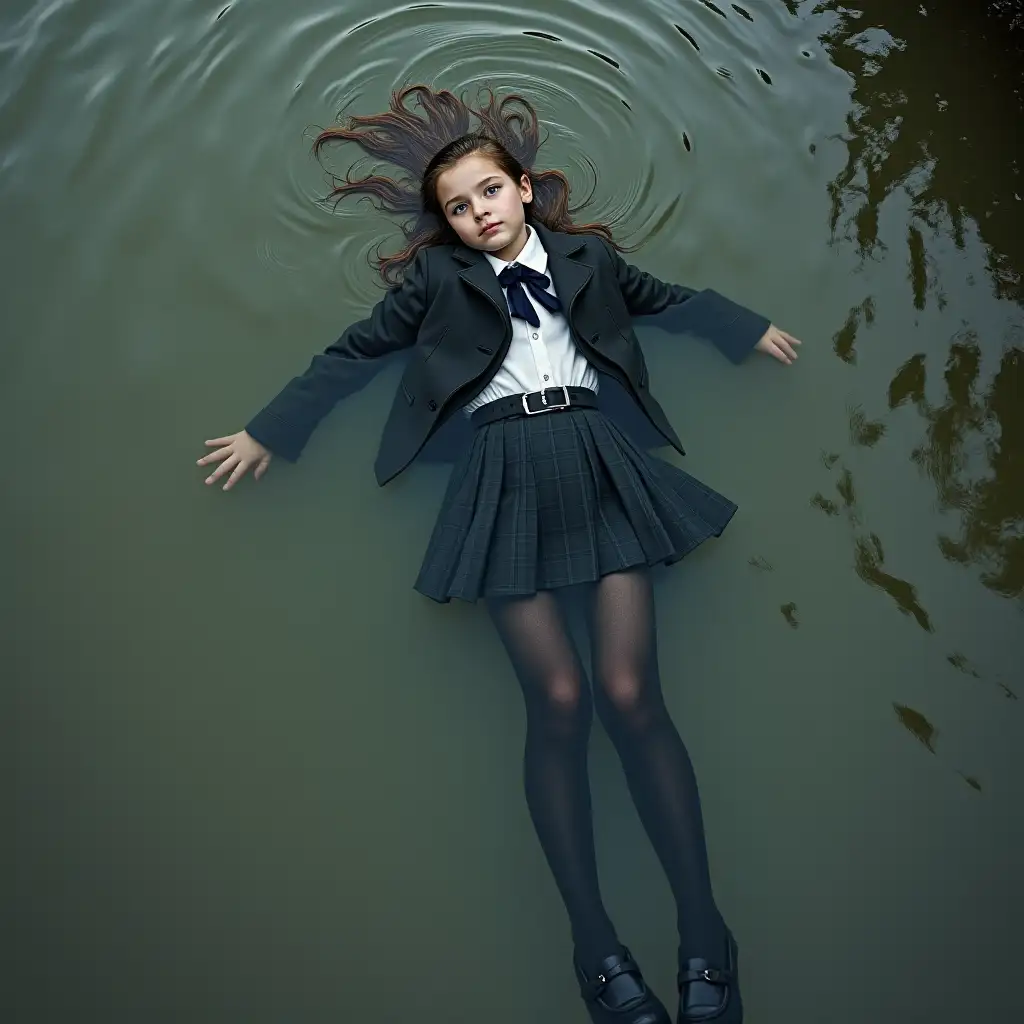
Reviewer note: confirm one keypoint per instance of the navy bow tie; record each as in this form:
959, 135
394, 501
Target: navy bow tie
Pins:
512, 279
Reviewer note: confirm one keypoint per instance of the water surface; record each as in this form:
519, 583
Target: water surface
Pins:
258, 778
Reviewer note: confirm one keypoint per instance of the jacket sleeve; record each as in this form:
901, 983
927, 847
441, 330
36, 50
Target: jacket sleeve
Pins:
732, 328
287, 422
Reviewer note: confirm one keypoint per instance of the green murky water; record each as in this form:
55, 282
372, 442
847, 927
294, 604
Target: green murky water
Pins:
256, 777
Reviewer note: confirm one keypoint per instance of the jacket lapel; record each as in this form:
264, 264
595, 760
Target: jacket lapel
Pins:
569, 275
479, 276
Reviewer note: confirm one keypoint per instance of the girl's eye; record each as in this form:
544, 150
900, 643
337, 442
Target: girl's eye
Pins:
458, 209
491, 189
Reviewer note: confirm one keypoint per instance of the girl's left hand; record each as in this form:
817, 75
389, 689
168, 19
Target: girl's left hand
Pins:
778, 344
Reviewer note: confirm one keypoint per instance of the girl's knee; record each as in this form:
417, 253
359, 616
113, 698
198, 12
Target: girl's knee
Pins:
564, 694
624, 691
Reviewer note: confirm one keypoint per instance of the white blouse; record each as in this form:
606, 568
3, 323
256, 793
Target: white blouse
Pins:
537, 357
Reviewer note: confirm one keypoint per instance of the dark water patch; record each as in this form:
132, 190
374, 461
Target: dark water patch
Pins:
864, 433
760, 564
543, 35
765, 77
686, 142
830, 508
829, 459
868, 561
741, 12
917, 725
686, 35
362, 24
908, 383
974, 424
971, 781
605, 58
845, 488
789, 614
711, 7
844, 340
961, 664
899, 134
625, 104
724, 72
223, 12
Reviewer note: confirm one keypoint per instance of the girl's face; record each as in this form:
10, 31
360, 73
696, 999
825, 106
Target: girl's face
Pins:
485, 206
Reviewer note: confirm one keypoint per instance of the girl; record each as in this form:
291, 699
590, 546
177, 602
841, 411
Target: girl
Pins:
511, 310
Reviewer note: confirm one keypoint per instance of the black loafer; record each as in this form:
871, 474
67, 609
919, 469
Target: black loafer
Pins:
618, 994
708, 993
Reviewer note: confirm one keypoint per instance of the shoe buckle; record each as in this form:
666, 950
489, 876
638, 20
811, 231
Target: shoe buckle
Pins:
712, 976
601, 979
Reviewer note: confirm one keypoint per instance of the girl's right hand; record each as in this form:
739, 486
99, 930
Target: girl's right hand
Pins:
237, 453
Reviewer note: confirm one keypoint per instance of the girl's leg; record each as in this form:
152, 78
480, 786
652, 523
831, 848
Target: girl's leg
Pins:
657, 767
559, 710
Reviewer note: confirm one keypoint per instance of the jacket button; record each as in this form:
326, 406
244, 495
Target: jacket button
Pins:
432, 405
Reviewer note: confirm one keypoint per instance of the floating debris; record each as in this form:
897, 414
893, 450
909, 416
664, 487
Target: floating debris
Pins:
917, 724
789, 612
760, 564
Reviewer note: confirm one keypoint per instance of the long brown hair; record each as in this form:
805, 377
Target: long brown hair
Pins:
424, 147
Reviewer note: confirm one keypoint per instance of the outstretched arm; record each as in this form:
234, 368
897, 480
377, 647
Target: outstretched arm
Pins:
732, 328
286, 423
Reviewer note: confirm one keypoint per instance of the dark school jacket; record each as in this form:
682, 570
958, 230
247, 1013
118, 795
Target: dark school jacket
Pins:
450, 310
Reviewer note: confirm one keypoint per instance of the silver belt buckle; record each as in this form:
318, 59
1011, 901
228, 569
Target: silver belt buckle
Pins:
544, 401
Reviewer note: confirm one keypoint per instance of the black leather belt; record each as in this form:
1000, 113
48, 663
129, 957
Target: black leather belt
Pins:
534, 403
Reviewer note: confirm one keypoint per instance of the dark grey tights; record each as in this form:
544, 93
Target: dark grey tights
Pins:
628, 697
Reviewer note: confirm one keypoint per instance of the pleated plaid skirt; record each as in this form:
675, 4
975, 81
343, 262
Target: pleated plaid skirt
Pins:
538, 502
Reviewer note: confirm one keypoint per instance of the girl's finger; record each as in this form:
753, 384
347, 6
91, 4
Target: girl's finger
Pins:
262, 467
223, 468
789, 337
787, 348
240, 471
216, 456
780, 354
220, 440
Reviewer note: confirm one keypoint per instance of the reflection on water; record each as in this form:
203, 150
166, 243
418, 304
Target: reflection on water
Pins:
960, 662
906, 135
869, 561
907, 138
918, 726
973, 451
